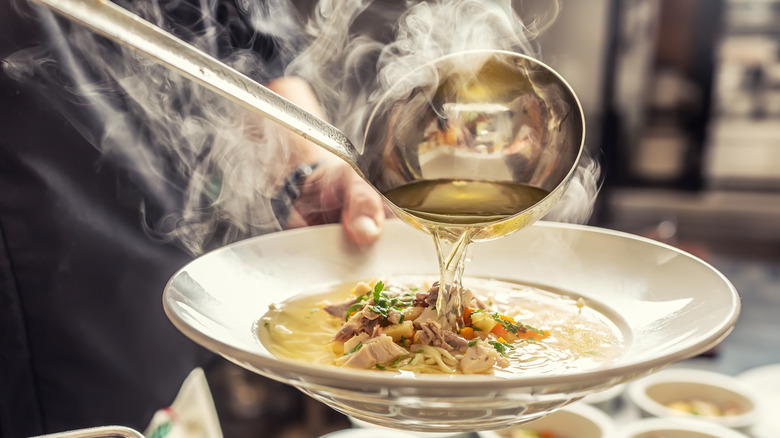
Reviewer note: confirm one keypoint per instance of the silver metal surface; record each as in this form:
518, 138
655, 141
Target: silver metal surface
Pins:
480, 115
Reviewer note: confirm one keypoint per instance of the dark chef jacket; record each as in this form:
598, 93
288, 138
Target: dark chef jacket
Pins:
84, 340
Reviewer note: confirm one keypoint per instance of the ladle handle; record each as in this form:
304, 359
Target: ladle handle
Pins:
130, 30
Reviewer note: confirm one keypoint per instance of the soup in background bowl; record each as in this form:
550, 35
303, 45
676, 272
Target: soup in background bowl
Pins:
698, 394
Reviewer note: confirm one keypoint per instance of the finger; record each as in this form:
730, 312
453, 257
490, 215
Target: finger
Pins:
364, 212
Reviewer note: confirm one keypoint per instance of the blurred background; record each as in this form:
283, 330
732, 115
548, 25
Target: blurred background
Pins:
682, 103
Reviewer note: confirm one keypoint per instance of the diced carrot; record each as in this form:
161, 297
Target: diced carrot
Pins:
546, 434
506, 318
467, 311
532, 334
467, 333
499, 331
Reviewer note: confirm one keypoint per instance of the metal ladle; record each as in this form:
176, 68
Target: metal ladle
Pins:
475, 116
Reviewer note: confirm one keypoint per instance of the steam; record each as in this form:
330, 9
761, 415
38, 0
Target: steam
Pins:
209, 170
579, 199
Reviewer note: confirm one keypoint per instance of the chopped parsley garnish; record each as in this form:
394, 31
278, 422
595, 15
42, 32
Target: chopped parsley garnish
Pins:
357, 347
383, 304
379, 367
501, 347
354, 308
473, 342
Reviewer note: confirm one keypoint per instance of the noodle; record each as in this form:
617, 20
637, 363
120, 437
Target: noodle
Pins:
507, 328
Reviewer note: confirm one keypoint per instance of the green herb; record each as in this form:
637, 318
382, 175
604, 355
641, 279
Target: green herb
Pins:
402, 318
397, 361
533, 329
353, 308
357, 347
501, 347
473, 342
379, 367
382, 303
378, 290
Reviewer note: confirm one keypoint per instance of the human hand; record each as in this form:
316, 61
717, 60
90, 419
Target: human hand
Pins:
333, 192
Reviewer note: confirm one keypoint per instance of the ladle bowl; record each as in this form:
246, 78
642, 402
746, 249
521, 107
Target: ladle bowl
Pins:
485, 116
490, 116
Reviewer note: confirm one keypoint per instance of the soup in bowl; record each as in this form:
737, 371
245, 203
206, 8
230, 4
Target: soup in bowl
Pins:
651, 305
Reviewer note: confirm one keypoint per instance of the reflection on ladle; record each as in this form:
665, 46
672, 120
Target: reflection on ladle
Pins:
483, 144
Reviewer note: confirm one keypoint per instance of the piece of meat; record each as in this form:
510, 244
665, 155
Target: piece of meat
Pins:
394, 316
429, 298
479, 358
431, 333
380, 350
363, 321
456, 342
339, 310
355, 340
428, 314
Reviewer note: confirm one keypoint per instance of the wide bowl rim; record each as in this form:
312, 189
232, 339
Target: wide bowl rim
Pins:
352, 378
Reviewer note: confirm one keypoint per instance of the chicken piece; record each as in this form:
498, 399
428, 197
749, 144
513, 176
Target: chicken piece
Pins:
427, 314
429, 298
380, 350
431, 333
355, 340
363, 321
480, 358
339, 310
394, 316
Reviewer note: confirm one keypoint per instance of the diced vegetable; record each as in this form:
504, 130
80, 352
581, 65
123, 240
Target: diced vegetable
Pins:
467, 333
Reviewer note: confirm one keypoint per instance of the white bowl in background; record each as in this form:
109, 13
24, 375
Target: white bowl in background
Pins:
653, 394
578, 420
765, 381
360, 424
368, 433
676, 428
